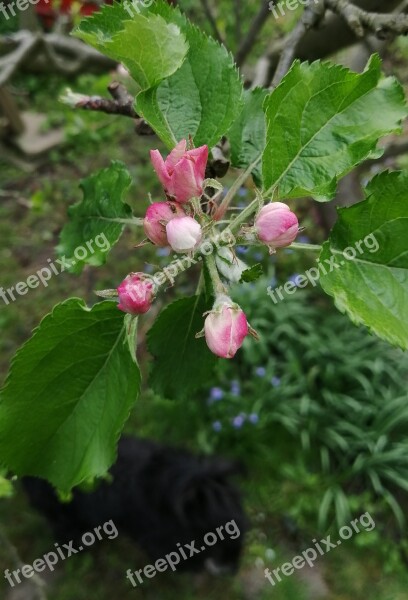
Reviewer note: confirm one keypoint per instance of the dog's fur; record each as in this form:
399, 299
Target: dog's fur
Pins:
158, 496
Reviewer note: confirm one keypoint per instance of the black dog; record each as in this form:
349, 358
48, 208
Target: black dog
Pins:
161, 497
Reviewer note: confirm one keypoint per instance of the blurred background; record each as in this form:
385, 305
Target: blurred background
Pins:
317, 411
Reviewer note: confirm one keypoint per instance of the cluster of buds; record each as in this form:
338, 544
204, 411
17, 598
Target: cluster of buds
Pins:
173, 223
182, 176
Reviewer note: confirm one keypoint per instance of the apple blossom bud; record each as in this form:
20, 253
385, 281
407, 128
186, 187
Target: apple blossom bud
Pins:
157, 216
184, 234
182, 173
276, 225
225, 328
136, 294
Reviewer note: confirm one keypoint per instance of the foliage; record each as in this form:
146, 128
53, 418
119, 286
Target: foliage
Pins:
318, 124
372, 288
83, 354
319, 405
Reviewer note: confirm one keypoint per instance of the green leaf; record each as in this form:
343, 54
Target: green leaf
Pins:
373, 287
252, 274
95, 222
322, 120
182, 362
247, 135
99, 29
197, 94
150, 48
6, 487
68, 394
201, 99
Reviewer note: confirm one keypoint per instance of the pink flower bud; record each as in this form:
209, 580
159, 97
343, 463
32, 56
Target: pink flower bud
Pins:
184, 234
136, 294
182, 173
225, 328
276, 225
157, 216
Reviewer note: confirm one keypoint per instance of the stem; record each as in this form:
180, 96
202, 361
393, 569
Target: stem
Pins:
243, 216
133, 221
200, 285
219, 287
234, 189
313, 247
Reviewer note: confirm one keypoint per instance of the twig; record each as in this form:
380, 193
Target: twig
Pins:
98, 104
11, 62
122, 104
238, 21
361, 21
48, 51
211, 20
253, 33
310, 18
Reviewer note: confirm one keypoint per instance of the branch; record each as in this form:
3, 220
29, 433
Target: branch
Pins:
211, 19
317, 43
122, 104
310, 18
12, 61
256, 27
48, 51
98, 104
361, 21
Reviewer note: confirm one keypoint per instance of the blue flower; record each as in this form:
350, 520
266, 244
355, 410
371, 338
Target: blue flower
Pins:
242, 192
303, 239
238, 421
163, 251
275, 381
241, 250
235, 388
260, 371
217, 426
216, 393
288, 251
253, 418
149, 268
258, 256
293, 278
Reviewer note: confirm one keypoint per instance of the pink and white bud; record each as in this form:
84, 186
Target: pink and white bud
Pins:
276, 225
225, 328
184, 234
182, 173
157, 216
136, 294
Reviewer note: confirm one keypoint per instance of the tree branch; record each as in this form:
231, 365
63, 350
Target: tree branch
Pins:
317, 43
310, 18
361, 21
253, 33
211, 20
